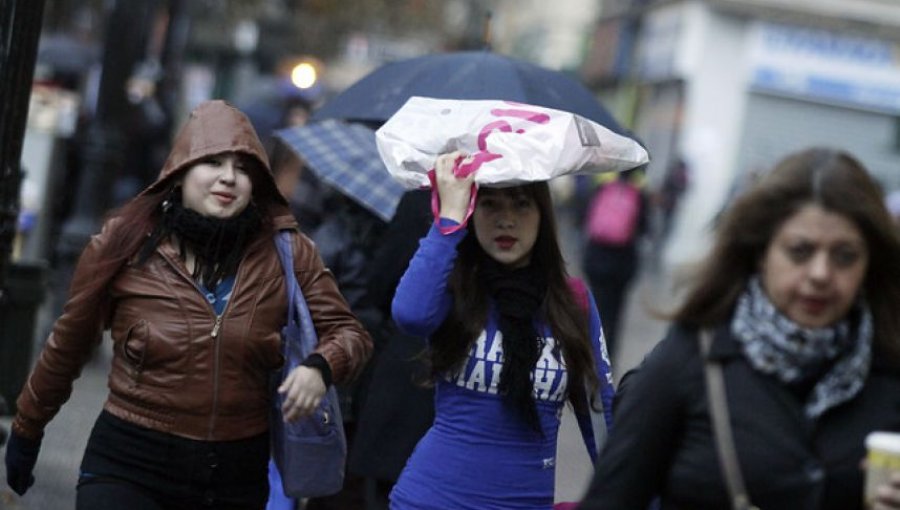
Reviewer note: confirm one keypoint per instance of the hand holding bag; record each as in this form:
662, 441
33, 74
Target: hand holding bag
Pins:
310, 452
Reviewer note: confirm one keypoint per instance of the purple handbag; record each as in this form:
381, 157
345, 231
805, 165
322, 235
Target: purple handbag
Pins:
310, 453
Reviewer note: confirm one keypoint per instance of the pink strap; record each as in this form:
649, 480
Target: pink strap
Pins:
436, 199
580, 292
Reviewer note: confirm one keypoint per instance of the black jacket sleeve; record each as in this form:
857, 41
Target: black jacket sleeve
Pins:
648, 410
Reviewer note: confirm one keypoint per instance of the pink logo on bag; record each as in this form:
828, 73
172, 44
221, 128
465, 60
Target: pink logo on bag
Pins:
484, 155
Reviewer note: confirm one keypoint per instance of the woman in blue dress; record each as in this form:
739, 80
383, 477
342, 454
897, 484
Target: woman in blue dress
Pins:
511, 340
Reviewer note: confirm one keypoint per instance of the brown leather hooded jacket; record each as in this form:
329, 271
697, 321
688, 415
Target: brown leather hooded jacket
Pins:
177, 367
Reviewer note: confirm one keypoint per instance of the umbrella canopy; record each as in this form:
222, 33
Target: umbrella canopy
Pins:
344, 155
463, 75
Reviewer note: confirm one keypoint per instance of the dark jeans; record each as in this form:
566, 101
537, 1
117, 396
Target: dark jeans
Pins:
127, 466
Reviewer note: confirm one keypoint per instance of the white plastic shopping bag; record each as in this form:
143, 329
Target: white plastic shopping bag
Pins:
508, 143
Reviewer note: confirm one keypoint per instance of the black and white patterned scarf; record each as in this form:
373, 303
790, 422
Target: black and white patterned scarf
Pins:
778, 346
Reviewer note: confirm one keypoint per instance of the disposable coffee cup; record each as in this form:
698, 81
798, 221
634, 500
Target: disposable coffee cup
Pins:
882, 460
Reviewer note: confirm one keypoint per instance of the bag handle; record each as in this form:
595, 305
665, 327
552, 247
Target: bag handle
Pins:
297, 310
718, 408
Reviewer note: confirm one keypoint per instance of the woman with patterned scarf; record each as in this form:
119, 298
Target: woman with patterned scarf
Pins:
511, 341
187, 279
801, 296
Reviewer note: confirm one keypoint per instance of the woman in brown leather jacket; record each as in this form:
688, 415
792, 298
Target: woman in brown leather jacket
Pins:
187, 279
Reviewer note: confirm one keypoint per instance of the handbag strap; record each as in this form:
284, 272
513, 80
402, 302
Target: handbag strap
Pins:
718, 408
297, 310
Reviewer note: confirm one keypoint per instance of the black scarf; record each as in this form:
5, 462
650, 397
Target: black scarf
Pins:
518, 295
218, 244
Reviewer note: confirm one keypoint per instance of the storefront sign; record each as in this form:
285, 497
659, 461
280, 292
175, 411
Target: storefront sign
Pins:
825, 65
659, 43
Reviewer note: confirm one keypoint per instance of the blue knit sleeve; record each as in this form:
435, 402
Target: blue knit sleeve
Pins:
590, 423
423, 300
604, 365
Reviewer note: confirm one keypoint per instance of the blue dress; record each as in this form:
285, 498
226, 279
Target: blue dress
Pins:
479, 453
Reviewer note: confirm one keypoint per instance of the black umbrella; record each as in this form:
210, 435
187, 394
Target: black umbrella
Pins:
463, 75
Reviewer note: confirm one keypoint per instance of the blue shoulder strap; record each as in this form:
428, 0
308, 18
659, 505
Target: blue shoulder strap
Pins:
297, 312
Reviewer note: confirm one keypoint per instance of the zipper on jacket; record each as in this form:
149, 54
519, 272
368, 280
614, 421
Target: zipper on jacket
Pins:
215, 396
214, 334
215, 329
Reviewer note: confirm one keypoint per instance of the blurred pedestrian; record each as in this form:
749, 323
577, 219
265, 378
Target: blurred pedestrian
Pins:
615, 223
399, 406
675, 183
511, 341
346, 239
187, 279
666, 202
799, 298
305, 192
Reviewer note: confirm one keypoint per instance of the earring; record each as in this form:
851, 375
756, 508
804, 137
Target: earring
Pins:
167, 202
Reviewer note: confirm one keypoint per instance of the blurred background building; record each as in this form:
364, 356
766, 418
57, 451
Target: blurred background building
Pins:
724, 88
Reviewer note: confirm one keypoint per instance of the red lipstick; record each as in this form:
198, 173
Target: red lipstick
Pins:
505, 242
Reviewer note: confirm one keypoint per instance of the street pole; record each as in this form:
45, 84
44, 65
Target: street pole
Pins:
104, 143
21, 287
21, 23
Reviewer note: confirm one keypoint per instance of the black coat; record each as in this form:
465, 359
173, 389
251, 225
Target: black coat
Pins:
661, 441
344, 239
398, 409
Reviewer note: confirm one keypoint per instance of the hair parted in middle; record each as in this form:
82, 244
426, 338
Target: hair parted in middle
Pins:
566, 318
829, 178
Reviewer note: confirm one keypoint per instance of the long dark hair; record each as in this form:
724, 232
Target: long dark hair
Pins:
837, 182
452, 342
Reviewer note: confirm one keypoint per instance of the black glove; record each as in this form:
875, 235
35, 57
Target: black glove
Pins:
21, 456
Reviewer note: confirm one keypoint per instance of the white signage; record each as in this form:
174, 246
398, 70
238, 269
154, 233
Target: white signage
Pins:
826, 65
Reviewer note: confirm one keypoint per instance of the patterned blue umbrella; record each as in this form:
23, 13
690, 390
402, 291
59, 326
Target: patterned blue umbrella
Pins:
463, 75
344, 155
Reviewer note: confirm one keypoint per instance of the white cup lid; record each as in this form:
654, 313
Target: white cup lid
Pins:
888, 441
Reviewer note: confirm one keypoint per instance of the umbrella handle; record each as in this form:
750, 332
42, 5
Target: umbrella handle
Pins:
436, 206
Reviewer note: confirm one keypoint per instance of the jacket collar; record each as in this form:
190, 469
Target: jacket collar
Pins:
724, 345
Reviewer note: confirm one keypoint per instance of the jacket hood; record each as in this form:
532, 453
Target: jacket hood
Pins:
216, 127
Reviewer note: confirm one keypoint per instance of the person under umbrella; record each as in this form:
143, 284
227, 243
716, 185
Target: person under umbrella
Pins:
511, 340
